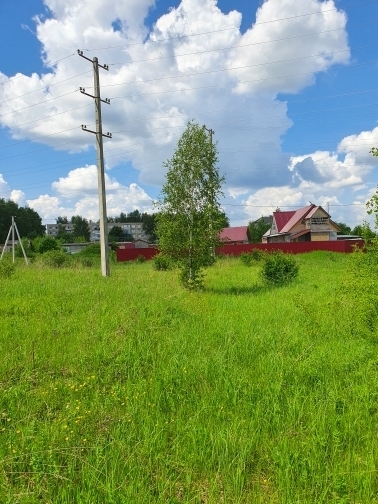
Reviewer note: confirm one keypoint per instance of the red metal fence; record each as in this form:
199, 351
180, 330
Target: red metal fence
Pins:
344, 246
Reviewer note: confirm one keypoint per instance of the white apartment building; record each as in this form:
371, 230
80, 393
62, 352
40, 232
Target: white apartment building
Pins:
135, 229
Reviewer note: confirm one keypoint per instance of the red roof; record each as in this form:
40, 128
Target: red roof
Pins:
282, 218
234, 234
298, 215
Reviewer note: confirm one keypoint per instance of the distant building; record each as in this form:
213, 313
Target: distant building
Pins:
234, 235
135, 229
310, 223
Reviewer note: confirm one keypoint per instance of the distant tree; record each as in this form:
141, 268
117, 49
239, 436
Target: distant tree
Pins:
80, 227
44, 244
365, 231
134, 216
117, 234
27, 220
223, 220
62, 220
121, 218
149, 226
344, 228
257, 229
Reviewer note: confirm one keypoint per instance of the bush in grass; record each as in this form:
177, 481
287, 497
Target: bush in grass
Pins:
279, 268
92, 250
87, 262
258, 254
55, 259
246, 258
6, 269
44, 244
140, 259
162, 262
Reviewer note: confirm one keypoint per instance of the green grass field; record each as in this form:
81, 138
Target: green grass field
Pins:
130, 389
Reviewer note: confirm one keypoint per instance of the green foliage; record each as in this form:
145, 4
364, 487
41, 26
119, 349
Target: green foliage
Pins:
279, 268
257, 229
7, 269
55, 259
140, 259
27, 244
258, 254
344, 228
149, 226
162, 262
117, 234
255, 255
27, 220
92, 250
190, 220
44, 244
87, 262
80, 228
364, 231
246, 258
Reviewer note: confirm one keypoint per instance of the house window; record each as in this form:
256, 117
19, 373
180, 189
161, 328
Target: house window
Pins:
318, 221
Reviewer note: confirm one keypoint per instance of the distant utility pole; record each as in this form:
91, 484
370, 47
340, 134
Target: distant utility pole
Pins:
211, 133
105, 268
11, 230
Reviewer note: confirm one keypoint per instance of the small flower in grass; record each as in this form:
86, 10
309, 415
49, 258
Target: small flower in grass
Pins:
84, 440
18, 432
67, 438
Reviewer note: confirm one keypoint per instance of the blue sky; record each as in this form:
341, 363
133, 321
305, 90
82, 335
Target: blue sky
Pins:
292, 100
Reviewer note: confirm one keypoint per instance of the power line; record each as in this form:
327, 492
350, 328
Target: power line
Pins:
44, 87
231, 68
39, 103
233, 83
264, 105
242, 45
168, 39
50, 65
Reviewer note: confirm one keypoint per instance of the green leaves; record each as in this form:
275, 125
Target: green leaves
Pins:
189, 220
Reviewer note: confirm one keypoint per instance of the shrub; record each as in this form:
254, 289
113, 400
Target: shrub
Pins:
6, 269
258, 254
45, 244
140, 259
87, 262
55, 258
246, 258
90, 250
162, 262
279, 268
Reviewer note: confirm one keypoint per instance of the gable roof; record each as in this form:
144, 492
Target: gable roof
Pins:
234, 234
298, 215
282, 218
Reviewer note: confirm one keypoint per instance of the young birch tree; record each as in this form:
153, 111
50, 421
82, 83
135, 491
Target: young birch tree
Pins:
189, 221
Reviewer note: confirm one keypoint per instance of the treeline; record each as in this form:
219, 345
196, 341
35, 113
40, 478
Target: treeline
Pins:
29, 223
80, 230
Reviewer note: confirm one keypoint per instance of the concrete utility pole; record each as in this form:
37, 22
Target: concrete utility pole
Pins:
105, 268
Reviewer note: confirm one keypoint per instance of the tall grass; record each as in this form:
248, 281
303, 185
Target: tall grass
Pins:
129, 389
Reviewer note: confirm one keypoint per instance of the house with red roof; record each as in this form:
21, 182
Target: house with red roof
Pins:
234, 235
310, 223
